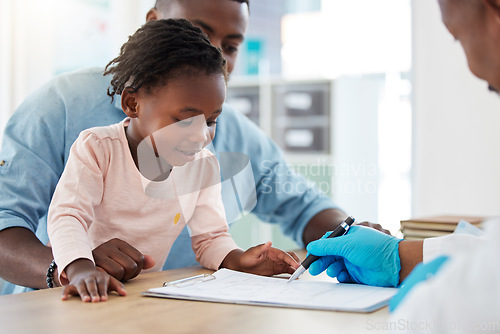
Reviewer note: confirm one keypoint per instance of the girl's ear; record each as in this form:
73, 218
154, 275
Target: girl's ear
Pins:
152, 15
129, 103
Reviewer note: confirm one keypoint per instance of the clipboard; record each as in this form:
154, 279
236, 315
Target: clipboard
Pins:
229, 286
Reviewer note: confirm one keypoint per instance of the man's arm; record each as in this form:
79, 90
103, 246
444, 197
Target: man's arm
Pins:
32, 152
18, 264
322, 222
328, 220
115, 256
284, 197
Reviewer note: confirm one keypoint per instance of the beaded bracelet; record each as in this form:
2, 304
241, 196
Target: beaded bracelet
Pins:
50, 274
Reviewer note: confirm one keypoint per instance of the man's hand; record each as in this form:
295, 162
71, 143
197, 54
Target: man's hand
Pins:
377, 227
120, 260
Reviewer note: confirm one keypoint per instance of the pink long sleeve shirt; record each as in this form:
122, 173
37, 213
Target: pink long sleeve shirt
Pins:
102, 195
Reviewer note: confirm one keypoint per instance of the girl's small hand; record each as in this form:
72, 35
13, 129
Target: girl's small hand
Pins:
267, 261
90, 283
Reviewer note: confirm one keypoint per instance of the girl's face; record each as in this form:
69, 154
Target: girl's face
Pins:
176, 120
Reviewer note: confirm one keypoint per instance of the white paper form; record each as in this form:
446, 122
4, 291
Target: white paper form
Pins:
242, 288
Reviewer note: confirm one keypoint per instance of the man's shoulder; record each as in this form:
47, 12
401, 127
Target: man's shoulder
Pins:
82, 82
94, 74
72, 90
81, 98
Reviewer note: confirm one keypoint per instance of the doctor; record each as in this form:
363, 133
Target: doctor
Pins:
457, 288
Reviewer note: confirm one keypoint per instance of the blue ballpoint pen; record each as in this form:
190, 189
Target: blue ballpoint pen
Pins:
340, 230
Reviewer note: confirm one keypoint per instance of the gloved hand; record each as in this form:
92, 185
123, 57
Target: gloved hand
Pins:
363, 255
420, 273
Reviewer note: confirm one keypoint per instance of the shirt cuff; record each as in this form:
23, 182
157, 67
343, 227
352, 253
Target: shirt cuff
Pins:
448, 245
212, 255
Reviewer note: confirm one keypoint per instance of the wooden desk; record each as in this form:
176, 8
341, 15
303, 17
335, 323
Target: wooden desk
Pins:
44, 312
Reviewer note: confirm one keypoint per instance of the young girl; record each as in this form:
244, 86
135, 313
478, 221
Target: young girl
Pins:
143, 179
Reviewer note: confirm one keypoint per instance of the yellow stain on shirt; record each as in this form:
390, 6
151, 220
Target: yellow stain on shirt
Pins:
177, 217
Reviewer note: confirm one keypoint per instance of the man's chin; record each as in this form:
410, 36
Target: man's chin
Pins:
493, 89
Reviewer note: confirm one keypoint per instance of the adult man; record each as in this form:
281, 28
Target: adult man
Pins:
464, 294
39, 134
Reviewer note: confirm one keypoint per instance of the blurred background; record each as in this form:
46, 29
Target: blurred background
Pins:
372, 100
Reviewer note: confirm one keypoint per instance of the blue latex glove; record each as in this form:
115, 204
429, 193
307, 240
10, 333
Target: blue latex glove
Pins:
363, 255
420, 273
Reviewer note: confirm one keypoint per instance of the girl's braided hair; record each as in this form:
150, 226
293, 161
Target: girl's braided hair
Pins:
161, 50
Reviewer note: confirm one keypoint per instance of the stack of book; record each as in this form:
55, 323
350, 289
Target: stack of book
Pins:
436, 226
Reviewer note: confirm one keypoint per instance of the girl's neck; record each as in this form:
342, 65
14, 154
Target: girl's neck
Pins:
133, 143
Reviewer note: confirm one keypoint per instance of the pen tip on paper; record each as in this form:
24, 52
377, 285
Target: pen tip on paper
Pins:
296, 274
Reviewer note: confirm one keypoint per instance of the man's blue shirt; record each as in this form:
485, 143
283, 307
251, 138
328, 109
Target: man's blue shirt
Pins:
38, 137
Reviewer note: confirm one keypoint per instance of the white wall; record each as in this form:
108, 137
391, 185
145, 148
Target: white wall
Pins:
26, 51
33, 37
456, 137
355, 144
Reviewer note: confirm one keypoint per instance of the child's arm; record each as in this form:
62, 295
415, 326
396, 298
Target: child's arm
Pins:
213, 245
262, 260
89, 282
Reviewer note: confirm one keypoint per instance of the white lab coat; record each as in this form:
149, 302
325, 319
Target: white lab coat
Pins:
464, 296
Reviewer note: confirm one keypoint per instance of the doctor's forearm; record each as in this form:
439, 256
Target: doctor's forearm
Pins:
410, 254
